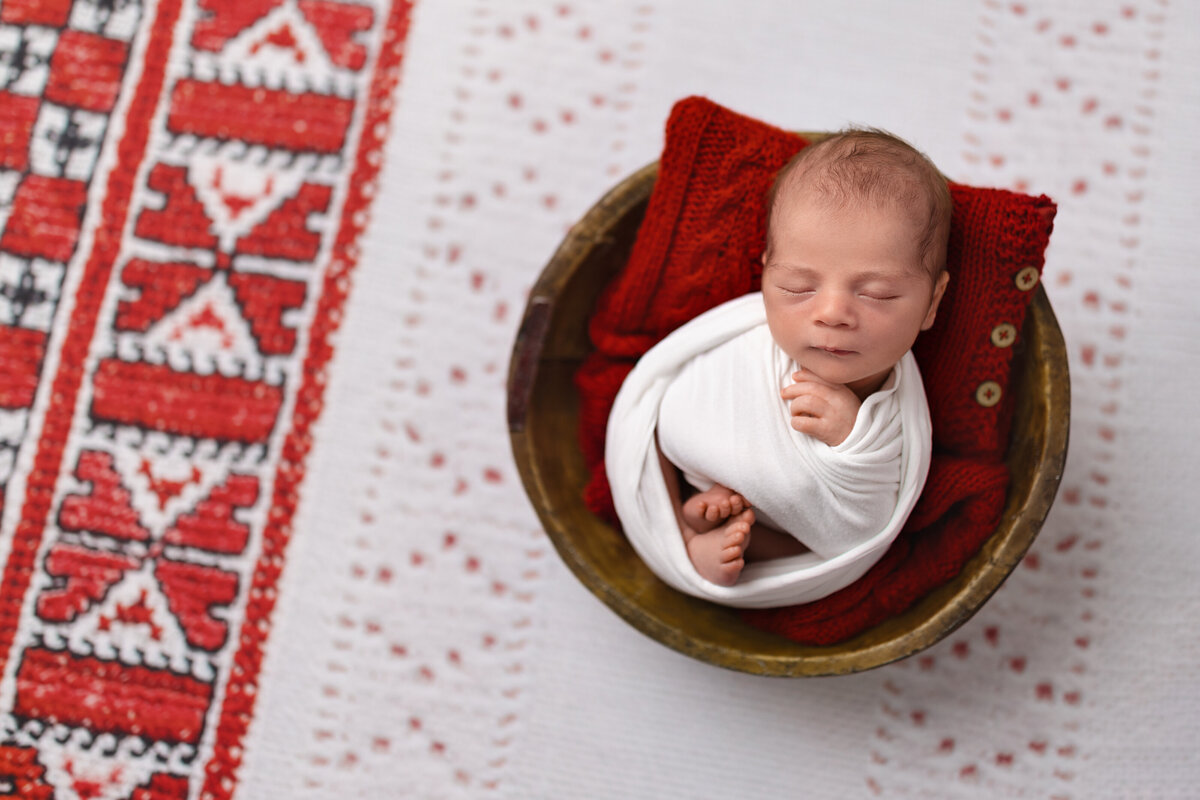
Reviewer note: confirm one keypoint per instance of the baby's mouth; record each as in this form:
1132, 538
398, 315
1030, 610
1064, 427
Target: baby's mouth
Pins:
835, 351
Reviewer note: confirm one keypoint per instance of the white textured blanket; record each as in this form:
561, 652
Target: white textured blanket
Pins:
711, 390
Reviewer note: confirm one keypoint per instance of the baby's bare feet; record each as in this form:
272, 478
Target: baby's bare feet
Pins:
705, 510
718, 554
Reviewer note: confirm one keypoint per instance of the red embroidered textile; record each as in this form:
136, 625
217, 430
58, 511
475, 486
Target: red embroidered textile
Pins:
700, 244
188, 194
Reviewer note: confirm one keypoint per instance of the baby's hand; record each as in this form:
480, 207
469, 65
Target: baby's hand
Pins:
826, 411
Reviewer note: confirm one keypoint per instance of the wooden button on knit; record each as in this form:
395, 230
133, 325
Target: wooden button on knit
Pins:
988, 394
1027, 279
1003, 335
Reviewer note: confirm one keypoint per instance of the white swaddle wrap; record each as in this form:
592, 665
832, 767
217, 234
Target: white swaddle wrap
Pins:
711, 389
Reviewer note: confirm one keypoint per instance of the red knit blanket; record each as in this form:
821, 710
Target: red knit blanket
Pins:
700, 244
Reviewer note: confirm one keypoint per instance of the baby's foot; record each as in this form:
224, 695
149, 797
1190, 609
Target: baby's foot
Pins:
705, 510
718, 554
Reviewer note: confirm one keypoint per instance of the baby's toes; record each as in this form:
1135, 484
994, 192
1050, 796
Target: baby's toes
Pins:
712, 512
734, 545
731, 571
730, 554
737, 504
736, 534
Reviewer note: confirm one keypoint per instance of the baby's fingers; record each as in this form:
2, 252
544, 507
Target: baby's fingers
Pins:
793, 390
808, 376
810, 425
800, 389
808, 406
806, 389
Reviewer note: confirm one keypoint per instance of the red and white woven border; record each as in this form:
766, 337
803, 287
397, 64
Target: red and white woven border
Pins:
152, 697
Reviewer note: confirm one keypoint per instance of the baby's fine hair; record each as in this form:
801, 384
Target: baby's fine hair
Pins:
872, 165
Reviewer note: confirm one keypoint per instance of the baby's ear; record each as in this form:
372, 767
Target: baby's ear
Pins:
939, 289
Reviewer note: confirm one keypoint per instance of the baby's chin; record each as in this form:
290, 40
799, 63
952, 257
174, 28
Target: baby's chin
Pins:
823, 374
861, 385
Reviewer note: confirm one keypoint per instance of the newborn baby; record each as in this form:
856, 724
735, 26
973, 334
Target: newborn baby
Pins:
854, 269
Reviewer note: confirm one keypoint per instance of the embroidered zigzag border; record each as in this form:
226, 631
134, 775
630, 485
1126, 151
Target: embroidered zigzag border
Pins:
182, 188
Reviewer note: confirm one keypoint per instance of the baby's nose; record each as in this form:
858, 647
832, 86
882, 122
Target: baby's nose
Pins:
835, 309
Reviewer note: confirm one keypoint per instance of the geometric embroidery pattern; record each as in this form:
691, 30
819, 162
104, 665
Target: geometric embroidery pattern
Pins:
168, 288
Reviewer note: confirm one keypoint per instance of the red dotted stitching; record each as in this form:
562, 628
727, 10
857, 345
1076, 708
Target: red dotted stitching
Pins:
1123, 129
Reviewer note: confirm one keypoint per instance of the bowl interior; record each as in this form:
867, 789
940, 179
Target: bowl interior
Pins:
543, 423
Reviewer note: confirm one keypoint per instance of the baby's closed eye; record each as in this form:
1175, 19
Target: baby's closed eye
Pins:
879, 291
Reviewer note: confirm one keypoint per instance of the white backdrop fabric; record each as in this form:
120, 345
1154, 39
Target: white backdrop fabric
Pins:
429, 644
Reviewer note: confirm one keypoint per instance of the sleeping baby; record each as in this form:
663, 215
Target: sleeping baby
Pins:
796, 416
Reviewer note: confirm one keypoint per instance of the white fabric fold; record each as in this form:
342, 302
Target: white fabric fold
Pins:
711, 391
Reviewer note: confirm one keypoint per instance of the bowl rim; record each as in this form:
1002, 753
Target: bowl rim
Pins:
1002, 550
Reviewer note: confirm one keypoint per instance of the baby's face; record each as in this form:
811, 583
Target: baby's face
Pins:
845, 290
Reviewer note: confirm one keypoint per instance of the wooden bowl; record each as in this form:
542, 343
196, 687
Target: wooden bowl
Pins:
543, 423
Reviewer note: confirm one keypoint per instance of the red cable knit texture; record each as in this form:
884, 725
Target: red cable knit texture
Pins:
700, 245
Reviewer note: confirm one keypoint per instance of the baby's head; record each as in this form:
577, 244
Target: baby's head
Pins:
854, 266
871, 167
